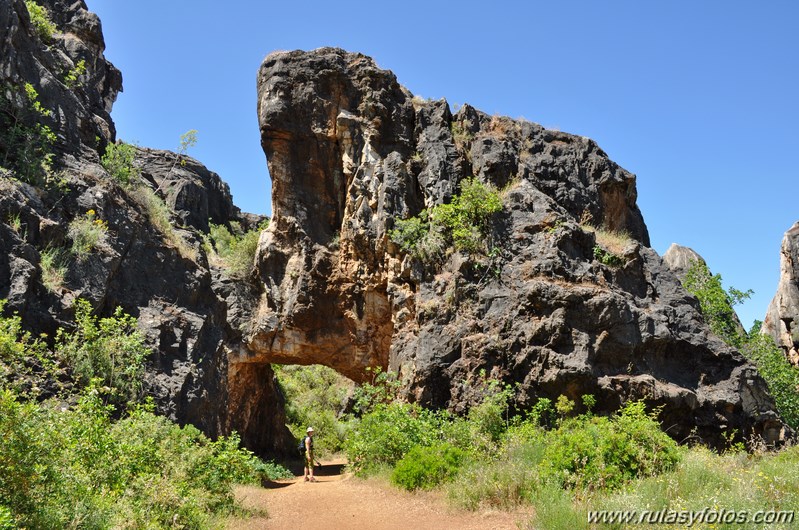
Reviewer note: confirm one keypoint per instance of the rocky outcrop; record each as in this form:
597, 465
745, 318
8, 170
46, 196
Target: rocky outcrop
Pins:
679, 259
782, 317
191, 313
79, 111
350, 151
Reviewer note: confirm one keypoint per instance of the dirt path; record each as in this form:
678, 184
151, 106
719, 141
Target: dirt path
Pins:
340, 501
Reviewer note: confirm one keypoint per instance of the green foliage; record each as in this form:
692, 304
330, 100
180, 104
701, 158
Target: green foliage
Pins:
118, 161
598, 452
383, 389
72, 77
234, 247
427, 467
489, 419
780, 375
717, 306
26, 143
41, 21
607, 258
463, 223
53, 267
384, 435
86, 233
314, 395
76, 468
110, 349
716, 303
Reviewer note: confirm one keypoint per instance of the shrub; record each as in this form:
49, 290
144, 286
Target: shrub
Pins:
598, 452
77, 468
234, 247
781, 377
26, 142
86, 233
40, 19
386, 434
118, 162
427, 467
111, 349
463, 223
72, 77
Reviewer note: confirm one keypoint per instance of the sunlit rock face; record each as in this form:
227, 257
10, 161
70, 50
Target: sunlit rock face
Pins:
782, 317
350, 151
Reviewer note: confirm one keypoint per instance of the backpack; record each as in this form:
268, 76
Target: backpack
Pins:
301, 447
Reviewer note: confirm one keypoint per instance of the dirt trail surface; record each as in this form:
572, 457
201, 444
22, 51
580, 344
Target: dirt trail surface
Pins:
339, 501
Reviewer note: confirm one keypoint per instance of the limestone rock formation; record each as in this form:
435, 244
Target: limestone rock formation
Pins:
350, 151
782, 317
679, 259
191, 313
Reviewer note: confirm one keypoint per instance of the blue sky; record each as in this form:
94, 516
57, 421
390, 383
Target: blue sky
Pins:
698, 99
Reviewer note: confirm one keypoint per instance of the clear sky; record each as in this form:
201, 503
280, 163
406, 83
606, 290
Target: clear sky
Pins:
698, 98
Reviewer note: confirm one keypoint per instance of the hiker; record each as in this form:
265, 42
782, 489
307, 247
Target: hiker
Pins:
308, 442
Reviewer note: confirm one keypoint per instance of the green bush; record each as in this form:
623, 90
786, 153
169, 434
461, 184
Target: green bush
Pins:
716, 303
463, 223
118, 162
76, 468
234, 247
780, 375
111, 349
387, 433
427, 467
26, 144
40, 19
598, 452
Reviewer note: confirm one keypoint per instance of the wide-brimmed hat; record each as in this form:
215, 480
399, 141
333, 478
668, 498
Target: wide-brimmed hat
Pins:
309, 429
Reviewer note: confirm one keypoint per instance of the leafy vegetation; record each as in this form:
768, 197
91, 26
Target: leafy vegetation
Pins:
72, 77
25, 142
427, 467
234, 248
717, 304
110, 350
314, 397
77, 467
40, 18
118, 161
462, 224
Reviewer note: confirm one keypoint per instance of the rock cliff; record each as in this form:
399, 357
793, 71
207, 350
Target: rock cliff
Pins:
782, 317
351, 151
190, 311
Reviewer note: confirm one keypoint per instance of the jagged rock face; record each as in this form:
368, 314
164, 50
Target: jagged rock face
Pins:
80, 114
191, 313
350, 151
782, 317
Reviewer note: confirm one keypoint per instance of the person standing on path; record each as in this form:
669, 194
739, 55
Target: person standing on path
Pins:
309, 460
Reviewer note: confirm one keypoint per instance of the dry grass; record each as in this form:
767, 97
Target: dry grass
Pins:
159, 214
